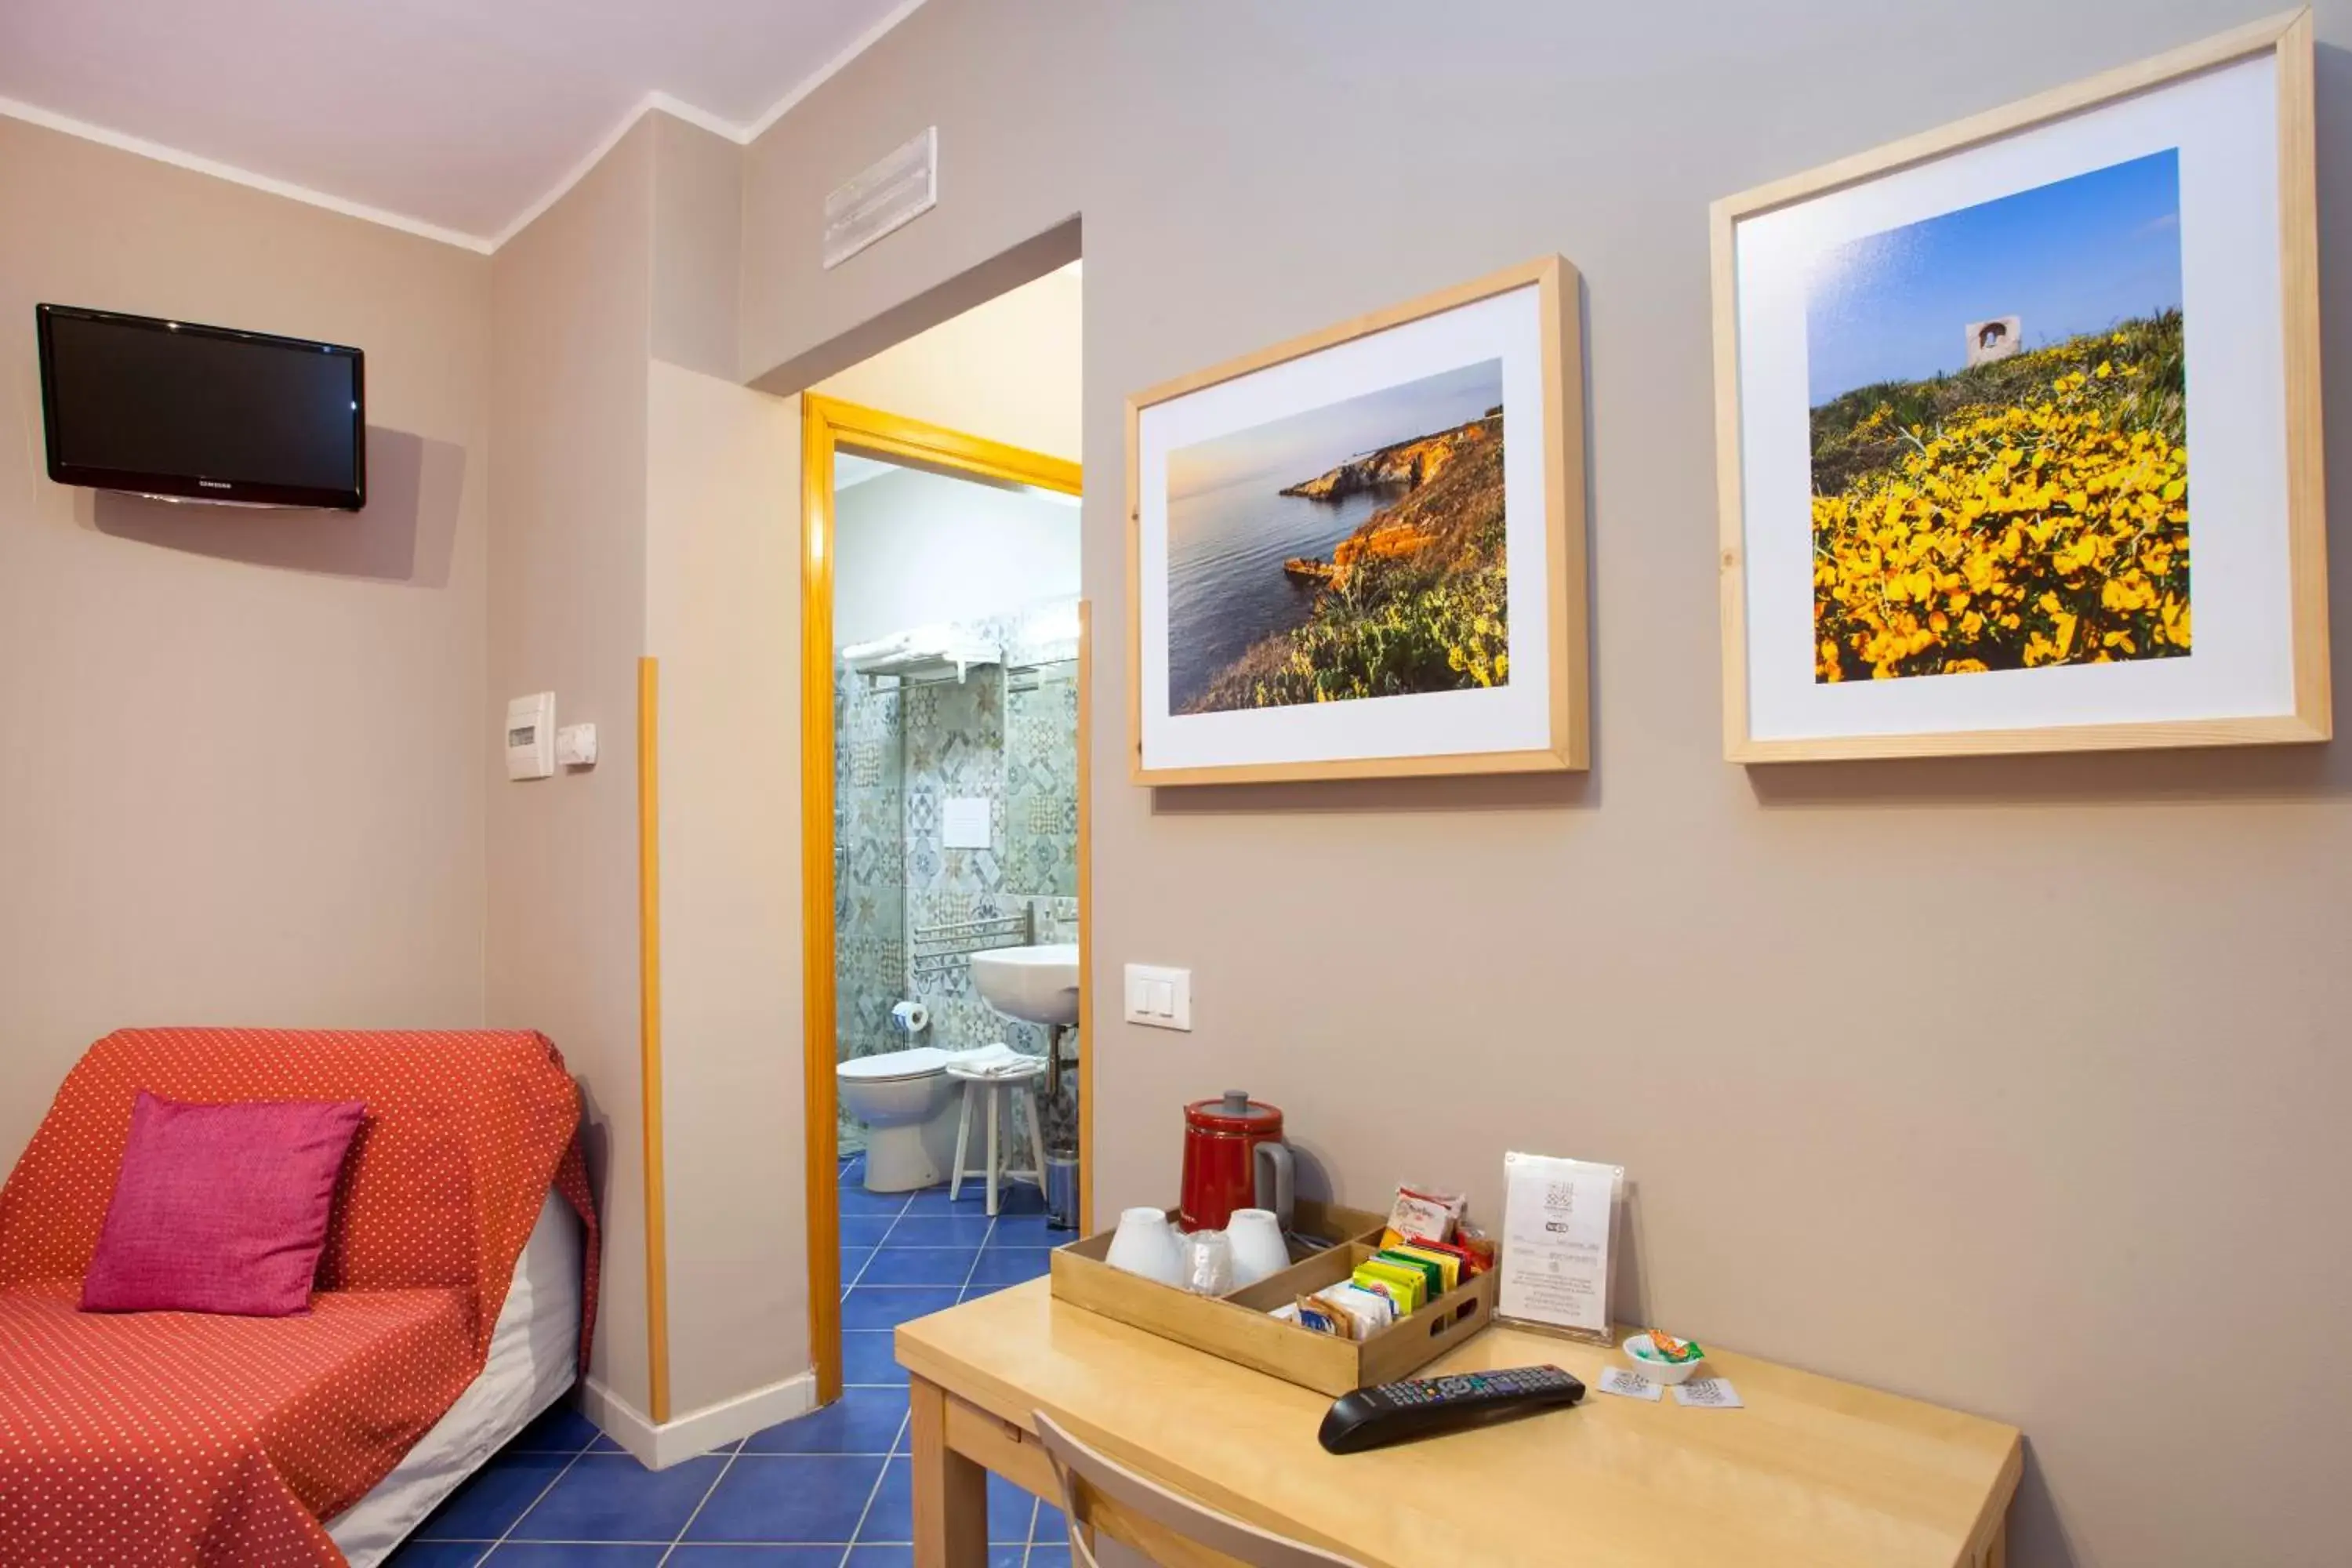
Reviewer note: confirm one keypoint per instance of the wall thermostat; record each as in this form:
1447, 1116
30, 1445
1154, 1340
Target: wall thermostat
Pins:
530, 736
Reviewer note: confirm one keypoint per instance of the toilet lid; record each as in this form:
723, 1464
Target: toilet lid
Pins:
920, 1062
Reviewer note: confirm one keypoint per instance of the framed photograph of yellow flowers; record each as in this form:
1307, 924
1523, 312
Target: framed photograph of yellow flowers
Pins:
2018, 426
1360, 553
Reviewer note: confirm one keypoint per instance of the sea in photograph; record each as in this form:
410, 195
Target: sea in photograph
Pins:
1999, 444
1330, 555
1226, 587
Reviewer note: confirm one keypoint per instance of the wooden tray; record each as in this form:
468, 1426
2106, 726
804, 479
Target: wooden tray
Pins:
1237, 1326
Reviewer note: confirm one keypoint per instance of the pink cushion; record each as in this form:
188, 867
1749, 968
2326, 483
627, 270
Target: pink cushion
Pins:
220, 1208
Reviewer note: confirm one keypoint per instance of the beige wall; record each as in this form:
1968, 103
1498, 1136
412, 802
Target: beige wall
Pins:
721, 580
242, 780
567, 614
2015, 1084
697, 247
642, 508
1008, 369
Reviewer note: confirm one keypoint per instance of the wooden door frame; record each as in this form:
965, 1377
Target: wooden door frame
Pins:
826, 424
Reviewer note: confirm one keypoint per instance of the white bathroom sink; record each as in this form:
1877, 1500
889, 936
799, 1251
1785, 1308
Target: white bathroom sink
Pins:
1034, 984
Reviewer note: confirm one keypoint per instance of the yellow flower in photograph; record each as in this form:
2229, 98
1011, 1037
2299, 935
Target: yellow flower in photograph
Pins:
2028, 512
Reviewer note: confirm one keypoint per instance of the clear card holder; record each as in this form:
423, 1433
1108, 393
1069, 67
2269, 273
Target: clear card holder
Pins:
1561, 1227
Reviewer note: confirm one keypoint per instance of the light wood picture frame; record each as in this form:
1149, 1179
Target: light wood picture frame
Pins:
2045, 604
1360, 553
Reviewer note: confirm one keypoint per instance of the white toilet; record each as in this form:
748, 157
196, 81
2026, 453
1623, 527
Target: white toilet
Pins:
908, 1105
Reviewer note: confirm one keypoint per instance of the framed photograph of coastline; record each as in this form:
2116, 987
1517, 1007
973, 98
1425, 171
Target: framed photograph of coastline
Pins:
1360, 553
2018, 426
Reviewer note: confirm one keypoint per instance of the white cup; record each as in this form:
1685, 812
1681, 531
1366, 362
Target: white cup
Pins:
1258, 1250
1145, 1243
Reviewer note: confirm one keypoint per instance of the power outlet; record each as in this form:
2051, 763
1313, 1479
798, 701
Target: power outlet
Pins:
1158, 998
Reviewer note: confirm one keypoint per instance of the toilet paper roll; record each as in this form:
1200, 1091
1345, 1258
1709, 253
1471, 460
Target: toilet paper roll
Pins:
910, 1017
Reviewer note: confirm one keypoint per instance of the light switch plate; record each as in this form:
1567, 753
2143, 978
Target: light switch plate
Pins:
1158, 997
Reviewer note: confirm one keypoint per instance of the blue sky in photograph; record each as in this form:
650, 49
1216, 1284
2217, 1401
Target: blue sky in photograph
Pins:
2072, 256
1305, 446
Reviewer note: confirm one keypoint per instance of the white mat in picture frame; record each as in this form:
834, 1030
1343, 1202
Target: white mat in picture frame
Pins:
1362, 552
2018, 426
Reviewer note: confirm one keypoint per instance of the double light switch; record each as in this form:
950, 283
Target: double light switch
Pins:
1161, 999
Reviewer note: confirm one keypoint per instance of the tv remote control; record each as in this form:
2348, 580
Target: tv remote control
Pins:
1424, 1407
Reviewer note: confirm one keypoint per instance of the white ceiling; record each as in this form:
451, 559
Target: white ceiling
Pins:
459, 118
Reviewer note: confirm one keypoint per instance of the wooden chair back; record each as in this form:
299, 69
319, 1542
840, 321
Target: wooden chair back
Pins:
1099, 1494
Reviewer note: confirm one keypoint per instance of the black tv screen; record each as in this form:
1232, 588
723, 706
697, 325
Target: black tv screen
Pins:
172, 408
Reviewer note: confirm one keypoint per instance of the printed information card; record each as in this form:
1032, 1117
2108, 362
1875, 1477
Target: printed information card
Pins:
1624, 1380
1556, 1263
1713, 1393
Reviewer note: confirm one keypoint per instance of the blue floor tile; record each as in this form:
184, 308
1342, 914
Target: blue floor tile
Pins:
1011, 1509
756, 1557
892, 1517
939, 1230
886, 1307
1024, 1230
858, 1200
1012, 1264
1013, 1198
853, 1263
919, 1266
1053, 1556
416, 1553
870, 1358
788, 1496
573, 1554
935, 1201
864, 1229
557, 1429
1020, 1198
881, 1557
862, 1421
493, 1497
1049, 1527
611, 1497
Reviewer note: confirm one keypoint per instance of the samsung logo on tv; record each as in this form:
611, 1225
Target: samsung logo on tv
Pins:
214, 484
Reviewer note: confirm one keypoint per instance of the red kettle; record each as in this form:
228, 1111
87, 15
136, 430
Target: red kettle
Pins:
1234, 1158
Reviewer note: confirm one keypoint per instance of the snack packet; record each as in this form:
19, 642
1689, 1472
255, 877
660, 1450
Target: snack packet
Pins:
1322, 1317
1366, 1312
1474, 1241
1466, 1264
1421, 1212
1408, 1287
1445, 1260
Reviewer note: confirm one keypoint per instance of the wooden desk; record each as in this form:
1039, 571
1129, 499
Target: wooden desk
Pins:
1814, 1472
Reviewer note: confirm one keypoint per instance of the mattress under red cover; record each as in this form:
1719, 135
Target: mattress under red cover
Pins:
181, 1439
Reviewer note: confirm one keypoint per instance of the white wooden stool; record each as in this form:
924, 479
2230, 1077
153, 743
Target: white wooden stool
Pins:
1004, 1082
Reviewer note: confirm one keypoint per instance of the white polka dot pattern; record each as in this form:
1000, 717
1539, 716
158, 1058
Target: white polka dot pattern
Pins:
183, 1438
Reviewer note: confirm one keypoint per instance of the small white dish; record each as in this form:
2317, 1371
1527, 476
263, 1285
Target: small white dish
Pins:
1643, 1351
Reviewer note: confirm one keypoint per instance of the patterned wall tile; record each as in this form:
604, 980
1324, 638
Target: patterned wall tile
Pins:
1007, 735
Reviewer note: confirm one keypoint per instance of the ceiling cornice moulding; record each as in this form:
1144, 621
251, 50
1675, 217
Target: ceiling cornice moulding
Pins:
481, 244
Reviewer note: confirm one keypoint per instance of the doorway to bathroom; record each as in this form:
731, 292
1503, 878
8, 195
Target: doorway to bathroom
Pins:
946, 674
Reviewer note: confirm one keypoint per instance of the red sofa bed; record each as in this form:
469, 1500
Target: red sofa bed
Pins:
175, 1438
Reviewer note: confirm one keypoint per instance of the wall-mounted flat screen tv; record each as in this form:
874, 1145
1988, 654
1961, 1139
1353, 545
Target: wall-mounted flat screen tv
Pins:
190, 412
